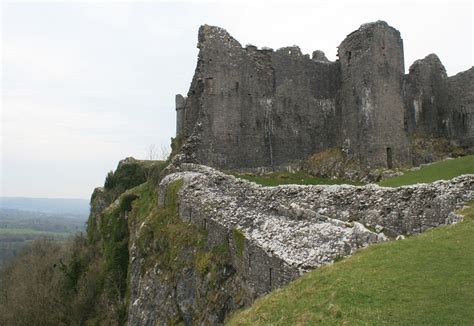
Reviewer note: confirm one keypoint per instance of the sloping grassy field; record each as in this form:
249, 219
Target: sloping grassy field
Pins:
422, 280
443, 170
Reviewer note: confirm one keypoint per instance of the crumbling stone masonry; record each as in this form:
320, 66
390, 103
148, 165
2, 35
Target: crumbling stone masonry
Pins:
251, 108
292, 229
272, 235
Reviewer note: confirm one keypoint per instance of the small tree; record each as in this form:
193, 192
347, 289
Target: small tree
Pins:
156, 152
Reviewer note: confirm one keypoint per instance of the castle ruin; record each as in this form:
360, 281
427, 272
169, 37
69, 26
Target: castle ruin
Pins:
252, 108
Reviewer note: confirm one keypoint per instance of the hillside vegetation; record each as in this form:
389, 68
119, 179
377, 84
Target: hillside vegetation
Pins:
426, 279
82, 281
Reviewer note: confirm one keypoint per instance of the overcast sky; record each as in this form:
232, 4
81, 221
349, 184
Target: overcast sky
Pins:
85, 85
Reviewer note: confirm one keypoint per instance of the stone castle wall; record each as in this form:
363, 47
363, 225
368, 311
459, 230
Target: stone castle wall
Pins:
255, 108
292, 229
439, 105
250, 108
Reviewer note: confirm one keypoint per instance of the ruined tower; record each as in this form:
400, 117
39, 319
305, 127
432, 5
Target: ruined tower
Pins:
372, 104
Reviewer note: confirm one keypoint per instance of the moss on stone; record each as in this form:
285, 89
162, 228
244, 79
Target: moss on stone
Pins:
203, 262
239, 241
164, 239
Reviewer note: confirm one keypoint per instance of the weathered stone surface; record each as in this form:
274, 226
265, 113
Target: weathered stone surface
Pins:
274, 234
251, 108
458, 120
307, 226
187, 296
440, 106
424, 92
180, 105
372, 104
319, 55
254, 108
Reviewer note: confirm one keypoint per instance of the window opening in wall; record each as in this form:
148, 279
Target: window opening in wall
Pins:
389, 158
249, 257
204, 224
270, 276
349, 56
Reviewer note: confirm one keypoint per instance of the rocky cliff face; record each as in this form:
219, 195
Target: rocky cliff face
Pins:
214, 243
190, 244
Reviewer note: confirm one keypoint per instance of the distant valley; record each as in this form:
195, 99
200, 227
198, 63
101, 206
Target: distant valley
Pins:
23, 220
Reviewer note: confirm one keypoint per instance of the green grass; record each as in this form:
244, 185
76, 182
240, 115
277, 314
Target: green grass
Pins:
280, 178
443, 170
422, 280
239, 240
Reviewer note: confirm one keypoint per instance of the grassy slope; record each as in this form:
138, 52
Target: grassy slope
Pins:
443, 170
427, 279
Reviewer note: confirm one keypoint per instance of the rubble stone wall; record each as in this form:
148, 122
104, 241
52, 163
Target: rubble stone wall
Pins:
292, 229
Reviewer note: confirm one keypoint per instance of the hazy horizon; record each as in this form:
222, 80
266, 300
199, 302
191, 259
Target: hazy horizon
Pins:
77, 206
85, 84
